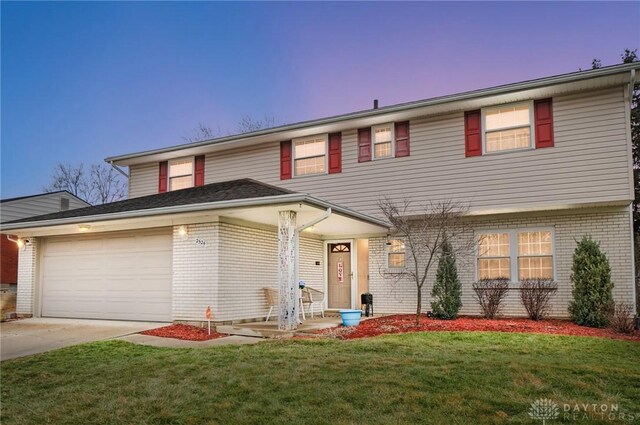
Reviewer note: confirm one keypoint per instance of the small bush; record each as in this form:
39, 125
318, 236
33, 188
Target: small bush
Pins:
490, 294
447, 290
592, 285
535, 295
621, 319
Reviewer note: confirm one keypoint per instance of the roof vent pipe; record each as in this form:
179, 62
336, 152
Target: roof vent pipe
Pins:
375, 103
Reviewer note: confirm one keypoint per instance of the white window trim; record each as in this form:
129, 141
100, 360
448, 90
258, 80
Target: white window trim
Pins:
513, 249
387, 251
392, 126
531, 128
326, 155
193, 170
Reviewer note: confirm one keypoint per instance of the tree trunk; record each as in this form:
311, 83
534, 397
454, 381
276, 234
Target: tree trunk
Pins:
419, 306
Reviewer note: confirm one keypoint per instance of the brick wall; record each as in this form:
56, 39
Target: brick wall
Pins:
195, 270
27, 257
611, 227
249, 262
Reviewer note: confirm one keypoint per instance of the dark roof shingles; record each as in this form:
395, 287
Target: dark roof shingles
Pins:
214, 192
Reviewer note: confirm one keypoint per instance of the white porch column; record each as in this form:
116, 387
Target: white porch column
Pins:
287, 266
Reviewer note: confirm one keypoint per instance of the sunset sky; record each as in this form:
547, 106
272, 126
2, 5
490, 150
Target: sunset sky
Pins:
82, 81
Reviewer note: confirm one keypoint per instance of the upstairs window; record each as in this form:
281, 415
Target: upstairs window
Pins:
382, 141
310, 155
508, 127
180, 173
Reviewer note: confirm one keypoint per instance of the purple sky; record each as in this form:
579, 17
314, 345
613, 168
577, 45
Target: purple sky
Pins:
82, 81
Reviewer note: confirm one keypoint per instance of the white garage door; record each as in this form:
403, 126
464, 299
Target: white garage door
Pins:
108, 276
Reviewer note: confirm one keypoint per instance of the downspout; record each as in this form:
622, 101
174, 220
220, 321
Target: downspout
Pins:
323, 217
118, 169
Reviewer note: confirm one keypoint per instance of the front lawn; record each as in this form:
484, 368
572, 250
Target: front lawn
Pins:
435, 377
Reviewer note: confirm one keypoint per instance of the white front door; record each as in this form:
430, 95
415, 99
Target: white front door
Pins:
125, 276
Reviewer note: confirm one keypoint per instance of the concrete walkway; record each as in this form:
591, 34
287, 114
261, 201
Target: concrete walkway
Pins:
38, 335
155, 341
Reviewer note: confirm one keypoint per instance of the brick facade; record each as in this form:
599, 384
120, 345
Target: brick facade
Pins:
27, 272
611, 227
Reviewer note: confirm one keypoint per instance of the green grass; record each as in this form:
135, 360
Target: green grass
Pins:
432, 377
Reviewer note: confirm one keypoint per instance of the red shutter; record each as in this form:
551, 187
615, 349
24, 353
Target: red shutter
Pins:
285, 160
543, 110
364, 144
402, 139
335, 153
162, 177
198, 174
472, 133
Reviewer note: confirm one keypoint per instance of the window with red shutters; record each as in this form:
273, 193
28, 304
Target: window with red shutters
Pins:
364, 144
472, 133
285, 160
335, 153
543, 110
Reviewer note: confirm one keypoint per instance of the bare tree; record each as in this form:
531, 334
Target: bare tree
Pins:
424, 235
202, 132
248, 124
100, 185
245, 125
71, 178
107, 185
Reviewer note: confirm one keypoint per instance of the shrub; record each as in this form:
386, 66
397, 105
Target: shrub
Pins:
447, 289
535, 295
592, 286
490, 293
621, 319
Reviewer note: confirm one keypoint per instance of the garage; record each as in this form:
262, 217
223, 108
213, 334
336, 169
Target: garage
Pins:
120, 276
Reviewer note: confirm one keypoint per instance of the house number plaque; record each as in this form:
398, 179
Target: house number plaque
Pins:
201, 242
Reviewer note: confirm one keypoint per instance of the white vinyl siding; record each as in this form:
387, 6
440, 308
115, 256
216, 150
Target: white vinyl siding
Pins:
143, 179
37, 205
589, 163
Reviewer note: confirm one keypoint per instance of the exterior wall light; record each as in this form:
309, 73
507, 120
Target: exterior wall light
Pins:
84, 227
182, 231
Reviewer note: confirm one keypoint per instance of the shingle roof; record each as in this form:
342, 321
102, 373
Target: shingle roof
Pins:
19, 198
214, 192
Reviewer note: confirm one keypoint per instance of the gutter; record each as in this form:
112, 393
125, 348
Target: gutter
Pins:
267, 200
507, 88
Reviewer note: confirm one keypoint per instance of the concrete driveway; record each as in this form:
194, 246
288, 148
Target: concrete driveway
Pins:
32, 336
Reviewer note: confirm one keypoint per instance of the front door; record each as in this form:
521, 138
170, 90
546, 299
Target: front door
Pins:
339, 275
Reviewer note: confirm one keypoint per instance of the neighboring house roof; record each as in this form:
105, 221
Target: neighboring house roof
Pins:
228, 194
22, 198
323, 124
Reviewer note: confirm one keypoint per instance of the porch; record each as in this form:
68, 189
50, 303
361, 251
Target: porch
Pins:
270, 329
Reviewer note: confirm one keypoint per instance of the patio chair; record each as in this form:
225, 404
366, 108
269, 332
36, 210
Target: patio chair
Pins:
272, 300
310, 297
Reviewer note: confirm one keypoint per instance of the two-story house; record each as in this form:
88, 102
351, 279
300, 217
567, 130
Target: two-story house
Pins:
540, 164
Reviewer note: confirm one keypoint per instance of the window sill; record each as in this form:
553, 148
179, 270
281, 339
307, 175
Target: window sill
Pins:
508, 151
309, 175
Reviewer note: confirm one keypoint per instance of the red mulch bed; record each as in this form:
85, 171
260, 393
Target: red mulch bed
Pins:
186, 332
403, 323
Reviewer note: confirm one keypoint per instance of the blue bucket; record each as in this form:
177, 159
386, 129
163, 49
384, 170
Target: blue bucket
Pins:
350, 317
